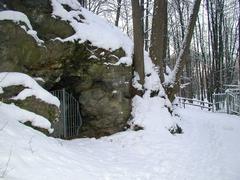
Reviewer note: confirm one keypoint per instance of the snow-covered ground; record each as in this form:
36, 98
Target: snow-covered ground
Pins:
207, 150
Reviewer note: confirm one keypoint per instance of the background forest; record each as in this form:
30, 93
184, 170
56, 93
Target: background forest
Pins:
213, 58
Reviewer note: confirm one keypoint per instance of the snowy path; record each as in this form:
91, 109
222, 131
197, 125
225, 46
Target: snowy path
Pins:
209, 149
215, 144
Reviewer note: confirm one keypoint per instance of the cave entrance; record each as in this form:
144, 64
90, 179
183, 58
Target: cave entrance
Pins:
70, 120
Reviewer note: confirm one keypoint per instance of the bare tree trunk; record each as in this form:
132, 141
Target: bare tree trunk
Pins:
146, 33
239, 44
211, 57
138, 57
81, 2
180, 17
142, 13
173, 86
188, 89
203, 50
126, 16
118, 12
221, 46
159, 36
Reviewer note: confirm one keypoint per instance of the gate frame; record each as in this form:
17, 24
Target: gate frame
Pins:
229, 92
65, 115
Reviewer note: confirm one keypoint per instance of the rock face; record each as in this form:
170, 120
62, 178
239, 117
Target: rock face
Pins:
102, 90
49, 111
103, 93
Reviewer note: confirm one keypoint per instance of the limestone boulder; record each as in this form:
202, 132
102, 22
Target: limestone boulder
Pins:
83, 69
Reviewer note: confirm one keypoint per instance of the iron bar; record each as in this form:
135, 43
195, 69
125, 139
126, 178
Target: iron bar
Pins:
70, 119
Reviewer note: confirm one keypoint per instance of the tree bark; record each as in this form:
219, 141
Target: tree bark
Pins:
146, 33
239, 43
138, 57
180, 17
118, 12
158, 46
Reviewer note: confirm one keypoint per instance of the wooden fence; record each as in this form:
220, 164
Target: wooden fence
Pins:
194, 102
227, 102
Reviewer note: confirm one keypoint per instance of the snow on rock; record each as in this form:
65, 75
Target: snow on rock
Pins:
88, 26
23, 116
19, 17
32, 87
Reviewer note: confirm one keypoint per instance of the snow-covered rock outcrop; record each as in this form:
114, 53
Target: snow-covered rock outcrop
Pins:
81, 52
90, 27
27, 101
19, 18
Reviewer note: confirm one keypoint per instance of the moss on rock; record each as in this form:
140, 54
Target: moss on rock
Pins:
39, 13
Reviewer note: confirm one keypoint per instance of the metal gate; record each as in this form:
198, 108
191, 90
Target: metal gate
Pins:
220, 102
233, 102
229, 101
70, 120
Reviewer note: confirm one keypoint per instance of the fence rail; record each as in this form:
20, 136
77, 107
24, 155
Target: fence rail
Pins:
194, 102
227, 102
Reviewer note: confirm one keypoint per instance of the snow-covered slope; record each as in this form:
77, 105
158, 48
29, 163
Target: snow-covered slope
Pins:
208, 149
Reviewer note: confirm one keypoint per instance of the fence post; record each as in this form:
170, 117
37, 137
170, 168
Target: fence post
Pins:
64, 114
228, 103
214, 102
